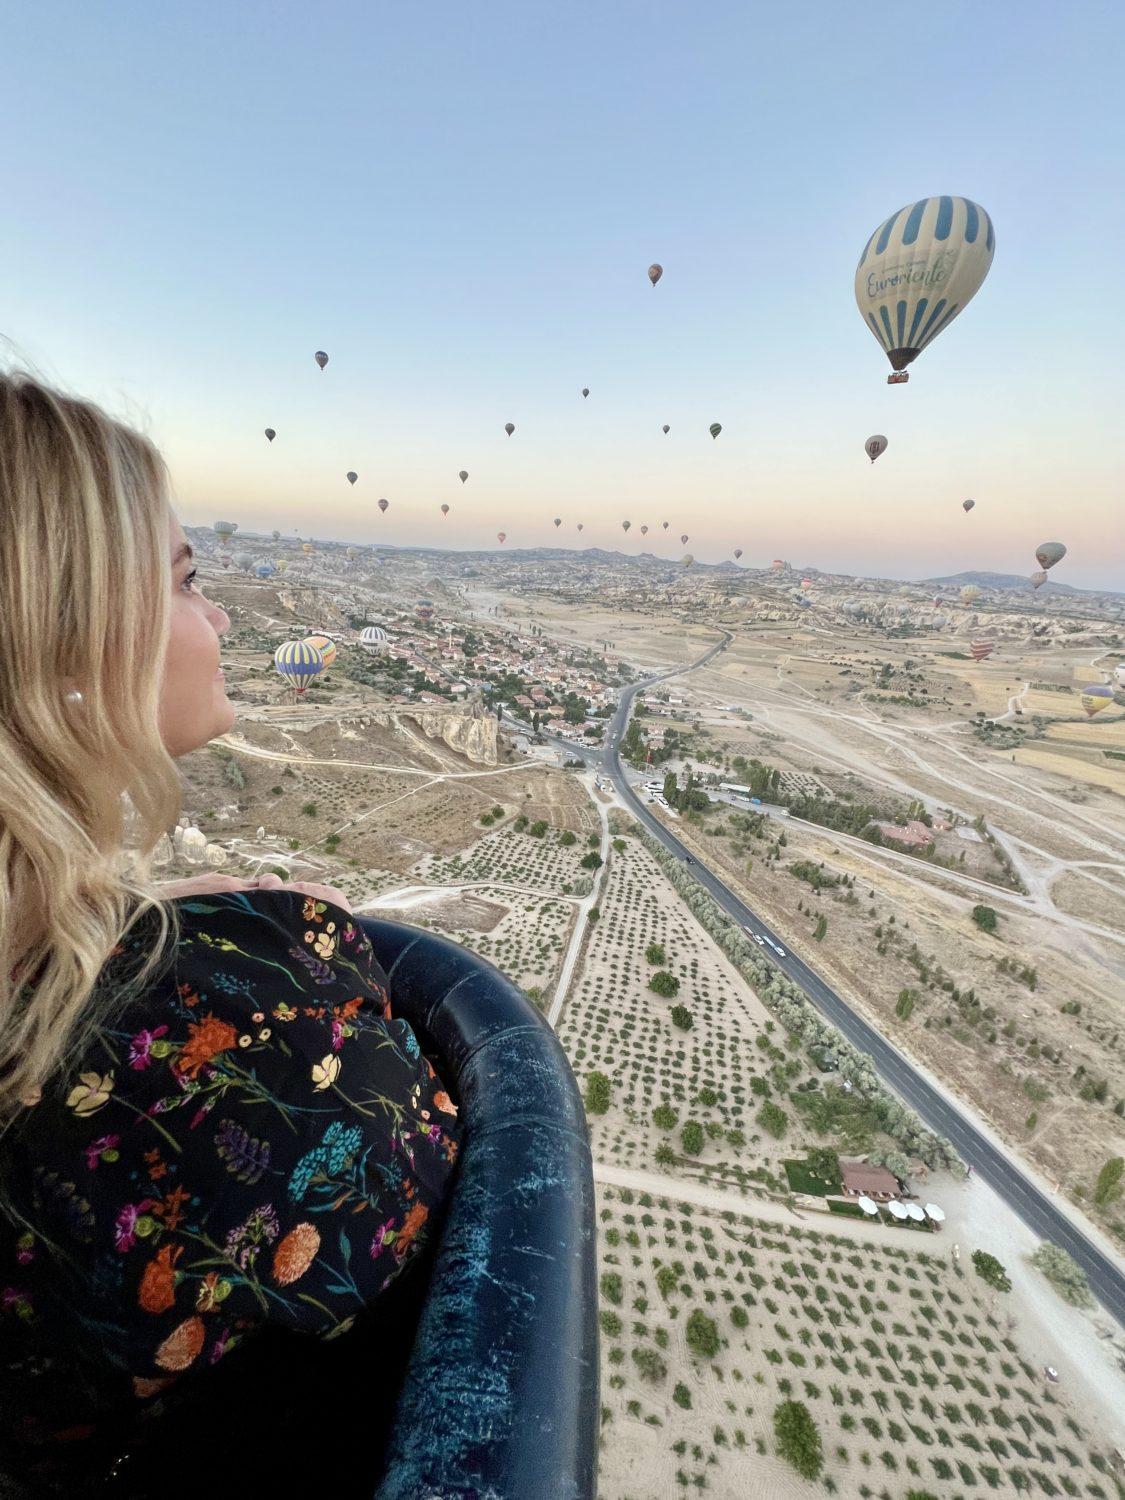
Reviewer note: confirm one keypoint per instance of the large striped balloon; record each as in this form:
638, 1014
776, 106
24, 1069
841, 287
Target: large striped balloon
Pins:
325, 645
298, 662
981, 650
919, 270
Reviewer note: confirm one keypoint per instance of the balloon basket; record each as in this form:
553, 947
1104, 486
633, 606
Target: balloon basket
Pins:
899, 377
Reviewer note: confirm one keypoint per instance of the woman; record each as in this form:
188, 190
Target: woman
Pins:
212, 1133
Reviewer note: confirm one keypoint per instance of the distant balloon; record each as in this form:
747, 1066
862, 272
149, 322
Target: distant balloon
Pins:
687, 560
558, 521
283, 564
298, 663
625, 525
325, 645
263, 569
920, 268
509, 428
967, 505
276, 535
666, 429
308, 548
969, 593
1095, 698
373, 640
683, 538
585, 391
715, 429
806, 583
270, 434
352, 476
225, 559
224, 530
644, 531
664, 525
1039, 579
655, 272
1047, 554
777, 565
501, 537
321, 358
981, 650
874, 446
580, 525
463, 475
445, 510
383, 505
424, 609
351, 553
244, 561
737, 553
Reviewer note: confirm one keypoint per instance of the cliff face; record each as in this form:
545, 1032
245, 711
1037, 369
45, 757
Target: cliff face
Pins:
468, 730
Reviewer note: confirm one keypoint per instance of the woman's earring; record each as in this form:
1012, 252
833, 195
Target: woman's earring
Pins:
73, 696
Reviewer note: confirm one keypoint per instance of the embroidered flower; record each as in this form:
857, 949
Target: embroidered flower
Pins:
103, 1149
132, 1221
295, 1254
141, 1047
158, 1284
413, 1222
384, 1235
213, 1289
206, 1039
181, 1347
90, 1093
244, 1243
325, 1072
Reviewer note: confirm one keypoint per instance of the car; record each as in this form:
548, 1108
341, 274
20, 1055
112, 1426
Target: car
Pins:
1051, 1373
759, 939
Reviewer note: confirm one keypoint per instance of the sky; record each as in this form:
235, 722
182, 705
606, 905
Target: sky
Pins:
459, 204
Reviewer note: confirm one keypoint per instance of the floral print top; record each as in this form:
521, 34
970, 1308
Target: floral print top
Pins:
251, 1139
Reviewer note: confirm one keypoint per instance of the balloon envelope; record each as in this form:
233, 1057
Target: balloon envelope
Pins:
298, 662
270, 433
980, 650
445, 510
655, 272
580, 525
666, 428
1039, 579
737, 553
967, 504
683, 538
558, 520
1095, 698
875, 445
424, 609
463, 475
715, 429
687, 560
509, 428
1047, 554
352, 476
373, 639
501, 536
383, 505
325, 645
321, 358
919, 270
644, 531
969, 593
585, 391
625, 525
224, 530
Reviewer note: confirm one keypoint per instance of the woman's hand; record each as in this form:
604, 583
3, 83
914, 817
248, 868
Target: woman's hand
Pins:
212, 884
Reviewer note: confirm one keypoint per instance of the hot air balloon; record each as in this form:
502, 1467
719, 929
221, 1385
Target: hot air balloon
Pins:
655, 272
625, 525
777, 565
509, 428
352, 476
463, 475
225, 559
967, 505
373, 640
715, 429
383, 505
270, 434
1096, 697
806, 583
683, 538
298, 662
264, 569
501, 537
445, 510
585, 391
558, 522
1039, 578
1047, 554
687, 559
276, 535
325, 645
351, 552
308, 548
737, 553
666, 429
920, 268
580, 525
424, 609
283, 564
644, 531
981, 650
321, 358
969, 593
875, 445
224, 530
244, 561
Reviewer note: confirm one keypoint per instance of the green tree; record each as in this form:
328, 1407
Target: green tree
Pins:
691, 1137
825, 1164
566, 838
1064, 1273
682, 1396
654, 953
989, 1269
772, 1119
538, 829
798, 1440
597, 1093
1108, 1185
985, 918
664, 1117
612, 1287
702, 1335
663, 983
682, 1017
590, 861
821, 928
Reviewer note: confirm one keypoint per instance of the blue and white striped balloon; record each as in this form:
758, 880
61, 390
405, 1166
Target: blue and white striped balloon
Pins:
919, 270
298, 663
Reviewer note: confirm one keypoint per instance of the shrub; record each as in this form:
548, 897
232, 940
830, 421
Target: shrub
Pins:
798, 1440
612, 1288
989, 1269
739, 1317
702, 1335
664, 1117
590, 861
824, 1163
664, 1155
682, 1396
597, 1094
1108, 1185
610, 1322
1064, 1273
691, 1137
663, 983
538, 829
772, 1119
985, 918
649, 1363
681, 1017
309, 809
566, 838
655, 953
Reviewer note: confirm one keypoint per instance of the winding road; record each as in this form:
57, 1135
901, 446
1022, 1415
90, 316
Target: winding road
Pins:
940, 1113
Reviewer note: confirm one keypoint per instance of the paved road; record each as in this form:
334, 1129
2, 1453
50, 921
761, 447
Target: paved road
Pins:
988, 1161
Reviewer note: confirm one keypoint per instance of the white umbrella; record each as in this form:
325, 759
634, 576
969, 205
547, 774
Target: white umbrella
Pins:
914, 1212
897, 1209
868, 1206
935, 1213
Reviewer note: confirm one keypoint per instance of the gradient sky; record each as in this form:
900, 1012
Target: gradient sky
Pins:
459, 203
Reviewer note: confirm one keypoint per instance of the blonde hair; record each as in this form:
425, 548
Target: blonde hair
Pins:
84, 603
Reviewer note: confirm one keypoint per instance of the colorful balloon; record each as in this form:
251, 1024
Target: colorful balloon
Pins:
874, 446
270, 434
644, 531
373, 640
687, 560
919, 270
969, 593
321, 358
298, 663
325, 645
967, 505
715, 429
424, 609
501, 537
655, 272
351, 553
1047, 554
509, 428
263, 569
981, 650
1095, 698
224, 530
308, 548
